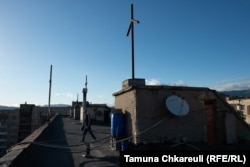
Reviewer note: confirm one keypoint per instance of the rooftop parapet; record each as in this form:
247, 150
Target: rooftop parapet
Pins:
19, 150
133, 82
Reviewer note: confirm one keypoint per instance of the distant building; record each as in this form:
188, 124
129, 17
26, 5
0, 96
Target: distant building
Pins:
25, 120
39, 115
75, 110
13, 127
98, 112
60, 110
149, 119
3, 130
17, 124
241, 104
9, 127
32, 117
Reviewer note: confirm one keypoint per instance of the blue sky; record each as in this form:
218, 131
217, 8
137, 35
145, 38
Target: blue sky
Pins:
202, 43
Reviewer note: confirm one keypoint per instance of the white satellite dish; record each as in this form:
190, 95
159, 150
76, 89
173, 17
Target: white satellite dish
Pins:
177, 105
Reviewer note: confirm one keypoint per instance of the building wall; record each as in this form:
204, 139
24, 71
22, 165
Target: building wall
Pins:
152, 109
3, 130
25, 120
60, 110
13, 127
98, 112
32, 117
148, 116
76, 110
146, 107
9, 125
40, 114
242, 105
126, 103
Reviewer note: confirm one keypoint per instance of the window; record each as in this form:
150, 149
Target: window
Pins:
248, 110
240, 107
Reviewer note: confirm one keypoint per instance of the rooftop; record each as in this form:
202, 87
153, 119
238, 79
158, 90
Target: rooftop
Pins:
58, 143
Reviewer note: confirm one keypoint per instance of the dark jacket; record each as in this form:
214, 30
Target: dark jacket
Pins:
87, 122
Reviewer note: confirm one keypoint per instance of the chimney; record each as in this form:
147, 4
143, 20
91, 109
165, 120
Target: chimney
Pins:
133, 82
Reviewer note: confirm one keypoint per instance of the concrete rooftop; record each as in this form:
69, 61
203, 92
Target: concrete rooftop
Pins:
58, 144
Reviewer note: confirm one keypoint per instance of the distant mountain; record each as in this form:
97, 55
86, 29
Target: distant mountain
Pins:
52, 105
57, 105
237, 93
7, 108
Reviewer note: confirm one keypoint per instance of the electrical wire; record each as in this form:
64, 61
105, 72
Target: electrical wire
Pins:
53, 146
144, 131
67, 146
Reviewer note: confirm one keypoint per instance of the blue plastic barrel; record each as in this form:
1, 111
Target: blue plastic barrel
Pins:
124, 145
117, 124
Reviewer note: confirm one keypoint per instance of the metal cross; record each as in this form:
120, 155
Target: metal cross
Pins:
131, 28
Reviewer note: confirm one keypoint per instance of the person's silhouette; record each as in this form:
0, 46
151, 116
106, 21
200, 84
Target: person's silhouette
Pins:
87, 127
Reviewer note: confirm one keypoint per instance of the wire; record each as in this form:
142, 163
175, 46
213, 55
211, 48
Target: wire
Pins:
53, 146
43, 143
67, 146
144, 131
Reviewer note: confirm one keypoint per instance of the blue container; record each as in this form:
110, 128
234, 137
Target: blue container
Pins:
124, 145
117, 124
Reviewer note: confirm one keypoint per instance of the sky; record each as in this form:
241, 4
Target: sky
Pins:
201, 43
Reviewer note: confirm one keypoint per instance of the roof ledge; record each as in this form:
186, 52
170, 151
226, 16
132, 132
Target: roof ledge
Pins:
17, 150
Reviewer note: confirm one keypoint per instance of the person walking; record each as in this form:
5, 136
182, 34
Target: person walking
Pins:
87, 128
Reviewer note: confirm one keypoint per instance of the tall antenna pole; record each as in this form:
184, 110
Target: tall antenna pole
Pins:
131, 28
86, 81
50, 82
132, 42
84, 91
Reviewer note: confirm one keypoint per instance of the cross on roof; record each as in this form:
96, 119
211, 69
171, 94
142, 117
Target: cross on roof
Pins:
131, 28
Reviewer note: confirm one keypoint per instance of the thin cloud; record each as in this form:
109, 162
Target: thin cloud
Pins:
242, 84
158, 82
100, 96
152, 82
68, 95
179, 83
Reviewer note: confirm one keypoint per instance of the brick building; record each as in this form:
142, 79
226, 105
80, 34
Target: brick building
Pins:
241, 104
148, 119
9, 127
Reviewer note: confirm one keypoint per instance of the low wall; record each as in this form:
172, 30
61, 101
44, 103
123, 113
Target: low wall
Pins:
19, 150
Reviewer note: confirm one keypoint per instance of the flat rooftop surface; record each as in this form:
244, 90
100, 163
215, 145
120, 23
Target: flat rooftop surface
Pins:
60, 145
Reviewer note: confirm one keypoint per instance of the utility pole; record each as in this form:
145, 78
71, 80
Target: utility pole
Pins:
84, 91
50, 82
131, 28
